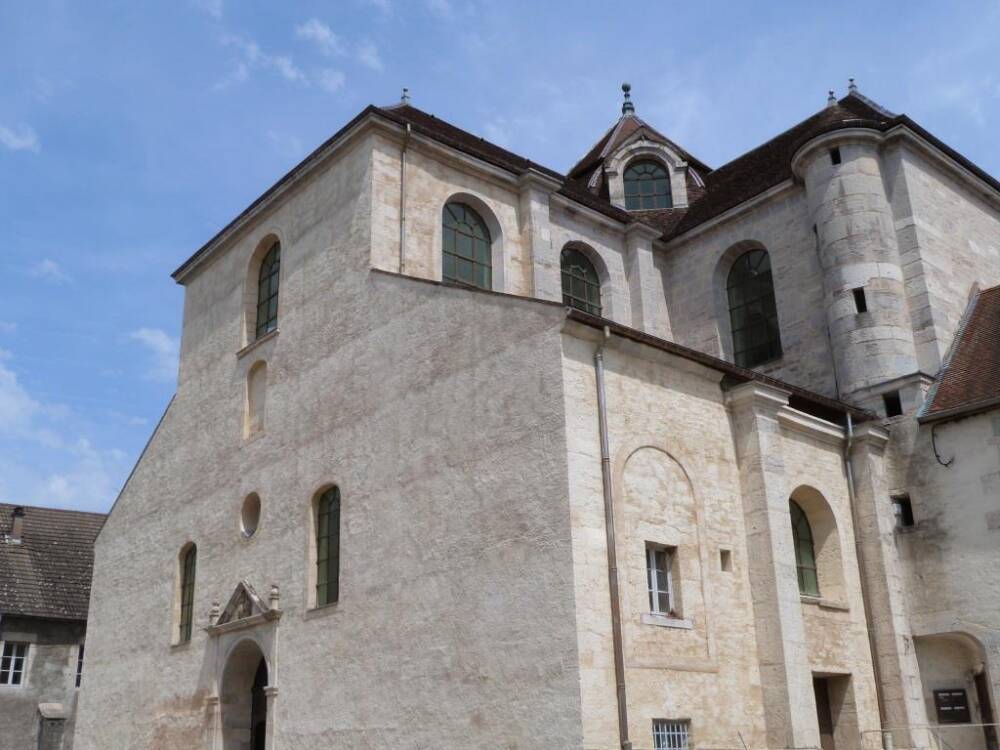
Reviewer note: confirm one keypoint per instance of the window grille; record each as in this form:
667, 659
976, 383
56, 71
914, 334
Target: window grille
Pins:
467, 247
581, 286
753, 313
328, 547
79, 665
188, 565
647, 185
12, 663
805, 555
659, 564
952, 706
267, 291
669, 734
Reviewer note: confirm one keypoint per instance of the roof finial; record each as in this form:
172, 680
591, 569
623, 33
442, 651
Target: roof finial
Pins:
628, 108
831, 99
405, 98
852, 87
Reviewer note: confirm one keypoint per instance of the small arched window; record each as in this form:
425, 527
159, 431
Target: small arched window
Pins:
328, 547
753, 314
189, 560
805, 552
467, 247
581, 286
647, 185
267, 291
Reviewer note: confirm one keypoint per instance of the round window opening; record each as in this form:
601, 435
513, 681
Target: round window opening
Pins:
250, 516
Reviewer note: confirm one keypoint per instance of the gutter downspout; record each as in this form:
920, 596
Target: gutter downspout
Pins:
402, 198
609, 527
865, 595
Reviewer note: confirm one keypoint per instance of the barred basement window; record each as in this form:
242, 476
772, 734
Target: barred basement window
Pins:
647, 185
267, 291
659, 575
12, 661
753, 313
467, 247
79, 665
670, 734
188, 565
328, 547
805, 555
581, 286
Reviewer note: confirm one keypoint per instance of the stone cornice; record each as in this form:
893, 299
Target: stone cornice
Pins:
814, 427
757, 396
270, 615
533, 178
871, 434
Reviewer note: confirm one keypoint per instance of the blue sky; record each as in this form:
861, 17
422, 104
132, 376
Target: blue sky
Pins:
131, 132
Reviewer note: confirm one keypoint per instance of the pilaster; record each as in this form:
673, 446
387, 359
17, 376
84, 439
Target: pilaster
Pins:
645, 282
536, 234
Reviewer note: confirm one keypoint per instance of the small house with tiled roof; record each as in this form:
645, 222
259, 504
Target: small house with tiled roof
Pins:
470, 452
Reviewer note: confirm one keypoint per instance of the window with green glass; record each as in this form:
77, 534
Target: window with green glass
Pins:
647, 185
805, 553
267, 291
188, 564
467, 247
328, 547
581, 286
753, 314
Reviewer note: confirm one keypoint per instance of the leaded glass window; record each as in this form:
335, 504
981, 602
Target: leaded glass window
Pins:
267, 291
328, 547
188, 564
581, 286
753, 314
12, 662
467, 247
805, 554
647, 185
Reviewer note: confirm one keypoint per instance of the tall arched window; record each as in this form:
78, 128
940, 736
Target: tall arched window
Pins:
581, 286
647, 185
328, 547
753, 314
467, 247
189, 560
805, 553
267, 291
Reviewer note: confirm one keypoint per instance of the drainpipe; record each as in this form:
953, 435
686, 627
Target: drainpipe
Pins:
865, 595
609, 526
402, 198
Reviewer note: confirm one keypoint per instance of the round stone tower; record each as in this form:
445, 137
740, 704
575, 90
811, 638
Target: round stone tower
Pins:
865, 301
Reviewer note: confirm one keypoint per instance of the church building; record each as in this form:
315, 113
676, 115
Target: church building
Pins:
468, 453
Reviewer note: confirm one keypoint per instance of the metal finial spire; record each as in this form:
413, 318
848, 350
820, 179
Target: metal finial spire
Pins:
405, 98
852, 87
628, 108
831, 98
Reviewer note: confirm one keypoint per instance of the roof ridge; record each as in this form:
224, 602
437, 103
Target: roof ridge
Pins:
58, 510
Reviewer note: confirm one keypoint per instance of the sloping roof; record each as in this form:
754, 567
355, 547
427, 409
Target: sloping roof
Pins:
970, 378
48, 573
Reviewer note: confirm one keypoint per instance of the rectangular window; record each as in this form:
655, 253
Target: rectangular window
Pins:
12, 662
79, 665
952, 706
893, 405
835, 155
659, 572
670, 734
860, 303
903, 509
726, 560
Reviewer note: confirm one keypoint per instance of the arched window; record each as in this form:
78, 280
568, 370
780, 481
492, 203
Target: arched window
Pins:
753, 314
647, 185
267, 291
188, 564
581, 286
805, 554
467, 247
328, 547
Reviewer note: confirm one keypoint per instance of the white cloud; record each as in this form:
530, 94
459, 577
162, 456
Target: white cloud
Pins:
49, 270
21, 138
165, 350
87, 481
321, 35
211, 7
330, 80
287, 69
367, 55
254, 57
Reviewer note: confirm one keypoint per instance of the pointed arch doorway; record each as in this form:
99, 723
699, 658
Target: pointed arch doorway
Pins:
243, 698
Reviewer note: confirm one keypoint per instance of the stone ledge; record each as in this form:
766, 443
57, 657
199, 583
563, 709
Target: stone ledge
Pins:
665, 621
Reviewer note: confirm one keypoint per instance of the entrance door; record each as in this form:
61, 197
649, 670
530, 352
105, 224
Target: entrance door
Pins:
986, 711
258, 708
824, 714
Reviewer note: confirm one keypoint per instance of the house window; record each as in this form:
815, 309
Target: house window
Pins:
188, 565
835, 155
805, 556
903, 509
328, 547
952, 706
581, 286
893, 404
647, 185
670, 734
79, 665
860, 302
267, 291
753, 314
467, 247
12, 663
659, 572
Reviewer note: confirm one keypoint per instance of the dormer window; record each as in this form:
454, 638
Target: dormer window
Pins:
647, 185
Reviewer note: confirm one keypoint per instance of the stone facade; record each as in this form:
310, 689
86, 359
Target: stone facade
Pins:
466, 431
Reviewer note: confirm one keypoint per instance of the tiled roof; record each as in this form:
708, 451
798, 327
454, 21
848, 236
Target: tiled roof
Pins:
48, 573
970, 378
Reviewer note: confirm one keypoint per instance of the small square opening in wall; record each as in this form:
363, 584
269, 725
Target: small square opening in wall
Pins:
893, 405
903, 509
835, 155
860, 302
726, 560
